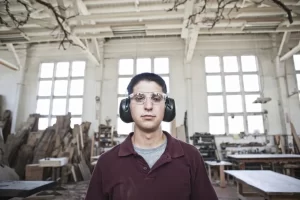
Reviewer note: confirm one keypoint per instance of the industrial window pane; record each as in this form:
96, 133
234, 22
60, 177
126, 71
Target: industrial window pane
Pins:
216, 125
167, 80
212, 64
215, 104
122, 85
255, 124
45, 88
213, 84
43, 106
60, 88
143, 65
166, 126
296, 59
75, 106
59, 107
298, 81
126, 67
250, 106
47, 70
235, 124
251, 83
78, 68
75, 120
43, 123
161, 65
124, 128
77, 87
62, 69
53, 121
249, 63
234, 103
232, 83
230, 64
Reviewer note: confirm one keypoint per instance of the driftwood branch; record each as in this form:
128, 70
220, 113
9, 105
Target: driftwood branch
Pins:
19, 20
220, 10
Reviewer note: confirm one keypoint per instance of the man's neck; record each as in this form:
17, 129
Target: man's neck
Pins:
148, 140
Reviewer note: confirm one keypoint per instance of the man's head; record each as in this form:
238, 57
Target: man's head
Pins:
147, 92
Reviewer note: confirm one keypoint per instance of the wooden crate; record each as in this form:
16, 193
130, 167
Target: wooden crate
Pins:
34, 172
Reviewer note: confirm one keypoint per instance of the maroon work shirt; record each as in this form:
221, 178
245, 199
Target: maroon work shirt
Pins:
179, 174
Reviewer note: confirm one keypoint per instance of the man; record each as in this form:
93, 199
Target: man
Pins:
150, 163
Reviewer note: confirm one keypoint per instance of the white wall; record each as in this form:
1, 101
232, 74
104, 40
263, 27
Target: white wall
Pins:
11, 81
260, 45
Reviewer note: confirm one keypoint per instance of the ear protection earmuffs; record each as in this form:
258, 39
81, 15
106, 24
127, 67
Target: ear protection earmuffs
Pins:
125, 114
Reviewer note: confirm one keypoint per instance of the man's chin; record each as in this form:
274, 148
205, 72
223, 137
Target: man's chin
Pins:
148, 128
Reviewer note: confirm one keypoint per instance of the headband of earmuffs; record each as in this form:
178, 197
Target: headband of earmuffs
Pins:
125, 114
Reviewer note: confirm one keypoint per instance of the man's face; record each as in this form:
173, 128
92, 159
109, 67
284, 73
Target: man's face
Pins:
147, 107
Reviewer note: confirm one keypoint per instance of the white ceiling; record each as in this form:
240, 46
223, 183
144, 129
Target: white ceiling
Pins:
127, 18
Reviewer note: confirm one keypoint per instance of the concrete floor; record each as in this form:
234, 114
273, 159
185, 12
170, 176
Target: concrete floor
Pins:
77, 192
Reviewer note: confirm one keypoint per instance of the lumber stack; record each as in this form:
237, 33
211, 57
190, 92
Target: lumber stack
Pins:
29, 145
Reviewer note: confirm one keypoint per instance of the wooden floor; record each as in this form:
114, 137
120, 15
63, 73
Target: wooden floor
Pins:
77, 192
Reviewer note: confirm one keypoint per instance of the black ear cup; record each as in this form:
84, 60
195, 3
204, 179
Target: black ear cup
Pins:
124, 111
170, 110
125, 114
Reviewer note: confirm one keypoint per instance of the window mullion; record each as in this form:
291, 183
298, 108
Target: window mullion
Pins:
224, 95
68, 89
52, 94
245, 121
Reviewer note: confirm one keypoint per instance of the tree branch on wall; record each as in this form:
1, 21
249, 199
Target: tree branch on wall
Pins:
220, 12
17, 20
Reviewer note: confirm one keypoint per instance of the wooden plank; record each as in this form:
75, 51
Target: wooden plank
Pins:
6, 123
267, 181
44, 146
295, 136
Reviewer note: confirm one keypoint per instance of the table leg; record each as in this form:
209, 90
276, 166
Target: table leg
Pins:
222, 176
242, 166
209, 173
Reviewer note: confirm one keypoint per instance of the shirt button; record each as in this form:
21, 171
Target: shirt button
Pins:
145, 168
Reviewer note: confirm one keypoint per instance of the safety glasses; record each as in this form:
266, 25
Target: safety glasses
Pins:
155, 97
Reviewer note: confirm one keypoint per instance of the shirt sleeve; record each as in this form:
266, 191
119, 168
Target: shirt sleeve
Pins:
95, 189
201, 187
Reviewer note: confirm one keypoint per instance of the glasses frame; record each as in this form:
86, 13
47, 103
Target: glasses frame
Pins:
157, 93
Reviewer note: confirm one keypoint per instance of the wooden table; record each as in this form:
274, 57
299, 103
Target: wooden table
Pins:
268, 184
10, 189
242, 159
221, 165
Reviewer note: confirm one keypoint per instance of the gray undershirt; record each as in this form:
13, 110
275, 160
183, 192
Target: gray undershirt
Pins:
151, 155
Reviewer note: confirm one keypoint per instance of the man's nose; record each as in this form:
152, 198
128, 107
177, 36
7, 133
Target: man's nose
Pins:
148, 104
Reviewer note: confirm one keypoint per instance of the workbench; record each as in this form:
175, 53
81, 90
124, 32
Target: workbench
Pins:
10, 189
242, 159
221, 166
268, 184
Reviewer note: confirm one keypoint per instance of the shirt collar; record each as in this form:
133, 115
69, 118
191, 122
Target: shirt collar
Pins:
174, 148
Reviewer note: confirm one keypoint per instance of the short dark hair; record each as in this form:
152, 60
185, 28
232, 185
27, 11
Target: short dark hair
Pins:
146, 77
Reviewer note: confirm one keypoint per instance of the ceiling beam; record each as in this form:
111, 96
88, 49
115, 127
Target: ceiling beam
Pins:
12, 49
8, 65
284, 41
73, 37
192, 39
289, 54
188, 10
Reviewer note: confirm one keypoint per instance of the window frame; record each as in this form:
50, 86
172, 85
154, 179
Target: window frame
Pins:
297, 72
51, 97
242, 92
152, 58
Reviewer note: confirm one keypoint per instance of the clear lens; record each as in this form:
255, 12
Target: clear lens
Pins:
140, 98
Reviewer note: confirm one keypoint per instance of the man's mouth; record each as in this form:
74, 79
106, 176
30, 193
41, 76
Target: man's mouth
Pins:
148, 116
